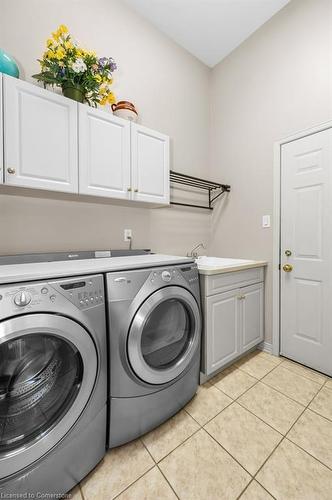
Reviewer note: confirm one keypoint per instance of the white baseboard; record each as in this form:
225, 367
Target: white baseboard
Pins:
266, 347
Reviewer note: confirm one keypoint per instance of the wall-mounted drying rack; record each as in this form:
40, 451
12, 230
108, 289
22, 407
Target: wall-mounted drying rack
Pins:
214, 189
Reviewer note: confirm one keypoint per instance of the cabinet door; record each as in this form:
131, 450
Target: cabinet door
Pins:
1, 132
150, 165
221, 329
104, 154
252, 315
40, 138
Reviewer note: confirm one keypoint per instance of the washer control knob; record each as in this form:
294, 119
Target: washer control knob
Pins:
22, 299
52, 298
166, 276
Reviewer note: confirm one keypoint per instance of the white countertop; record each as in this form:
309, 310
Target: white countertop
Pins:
218, 265
15, 273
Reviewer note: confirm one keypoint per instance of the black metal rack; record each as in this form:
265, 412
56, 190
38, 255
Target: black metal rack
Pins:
214, 189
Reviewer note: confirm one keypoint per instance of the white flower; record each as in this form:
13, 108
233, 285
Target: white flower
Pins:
79, 66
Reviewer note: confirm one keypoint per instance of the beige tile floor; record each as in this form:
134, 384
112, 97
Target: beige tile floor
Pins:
261, 429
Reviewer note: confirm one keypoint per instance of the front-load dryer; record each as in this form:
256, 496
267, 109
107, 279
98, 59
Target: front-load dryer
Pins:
154, 346
53, 384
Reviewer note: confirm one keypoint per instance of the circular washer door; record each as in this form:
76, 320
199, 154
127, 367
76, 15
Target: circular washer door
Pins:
164, 335
48, 368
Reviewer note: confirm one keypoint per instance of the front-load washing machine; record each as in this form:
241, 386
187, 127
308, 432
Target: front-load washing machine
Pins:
53, 384
154, 346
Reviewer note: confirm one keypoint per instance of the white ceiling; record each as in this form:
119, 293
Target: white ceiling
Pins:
209, 29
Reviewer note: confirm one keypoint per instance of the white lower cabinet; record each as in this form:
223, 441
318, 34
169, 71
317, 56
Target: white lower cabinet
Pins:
233, 321
222, 328
252, 316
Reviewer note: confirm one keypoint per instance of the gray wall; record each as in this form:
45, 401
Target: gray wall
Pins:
276, 83
171, 91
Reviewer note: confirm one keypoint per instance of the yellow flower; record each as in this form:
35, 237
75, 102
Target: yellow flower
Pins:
49, 54
63, 29
59, 53
98, 78
49, 42
107, 99
68, 45
111, 98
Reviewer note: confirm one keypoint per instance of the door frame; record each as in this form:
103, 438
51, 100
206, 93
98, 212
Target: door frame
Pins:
276, 260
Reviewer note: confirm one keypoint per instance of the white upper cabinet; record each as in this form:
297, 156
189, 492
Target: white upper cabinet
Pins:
51, 142
1, 132
104, 154
150, 165
40, 138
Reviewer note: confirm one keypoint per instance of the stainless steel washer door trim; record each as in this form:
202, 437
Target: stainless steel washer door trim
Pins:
68, 330
136, 359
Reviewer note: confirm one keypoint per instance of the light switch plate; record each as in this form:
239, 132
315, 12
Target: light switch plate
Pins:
266, 221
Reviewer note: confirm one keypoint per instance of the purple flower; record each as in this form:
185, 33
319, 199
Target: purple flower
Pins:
102, 62
112, 64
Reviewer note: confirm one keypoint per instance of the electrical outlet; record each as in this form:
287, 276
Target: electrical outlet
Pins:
127, 235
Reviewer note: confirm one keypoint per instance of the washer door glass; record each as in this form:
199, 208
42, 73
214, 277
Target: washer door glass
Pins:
48, 370
40, 376
164, 335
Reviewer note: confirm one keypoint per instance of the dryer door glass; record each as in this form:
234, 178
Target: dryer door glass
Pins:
40, 377
166, 334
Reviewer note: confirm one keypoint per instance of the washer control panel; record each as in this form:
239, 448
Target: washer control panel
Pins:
82, 292
22, 298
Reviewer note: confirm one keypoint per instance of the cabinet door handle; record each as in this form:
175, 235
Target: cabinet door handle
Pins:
128, 189
135, 190
241, 297
11, 170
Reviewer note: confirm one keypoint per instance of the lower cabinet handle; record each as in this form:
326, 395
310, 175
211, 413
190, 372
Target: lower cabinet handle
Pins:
11, 170
129, 189
136, 190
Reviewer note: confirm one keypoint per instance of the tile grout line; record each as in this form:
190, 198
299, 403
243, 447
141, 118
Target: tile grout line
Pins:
131, 484
201, 427
316, 412
285, 437
156, 464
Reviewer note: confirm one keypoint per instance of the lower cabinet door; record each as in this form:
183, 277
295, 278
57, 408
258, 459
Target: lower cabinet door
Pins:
221, 330
252, 315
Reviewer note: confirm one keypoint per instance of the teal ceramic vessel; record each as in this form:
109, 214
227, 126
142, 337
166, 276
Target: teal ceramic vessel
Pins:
8, 65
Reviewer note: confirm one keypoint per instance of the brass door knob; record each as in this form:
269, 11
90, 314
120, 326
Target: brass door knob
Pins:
129, 189
287, 268
11, 170
135, 190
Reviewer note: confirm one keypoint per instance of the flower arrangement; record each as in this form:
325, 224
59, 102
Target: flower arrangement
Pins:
79, 72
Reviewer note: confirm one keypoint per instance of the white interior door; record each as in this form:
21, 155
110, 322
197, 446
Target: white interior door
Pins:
150, 165
306, 246
104, 154
40, 137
